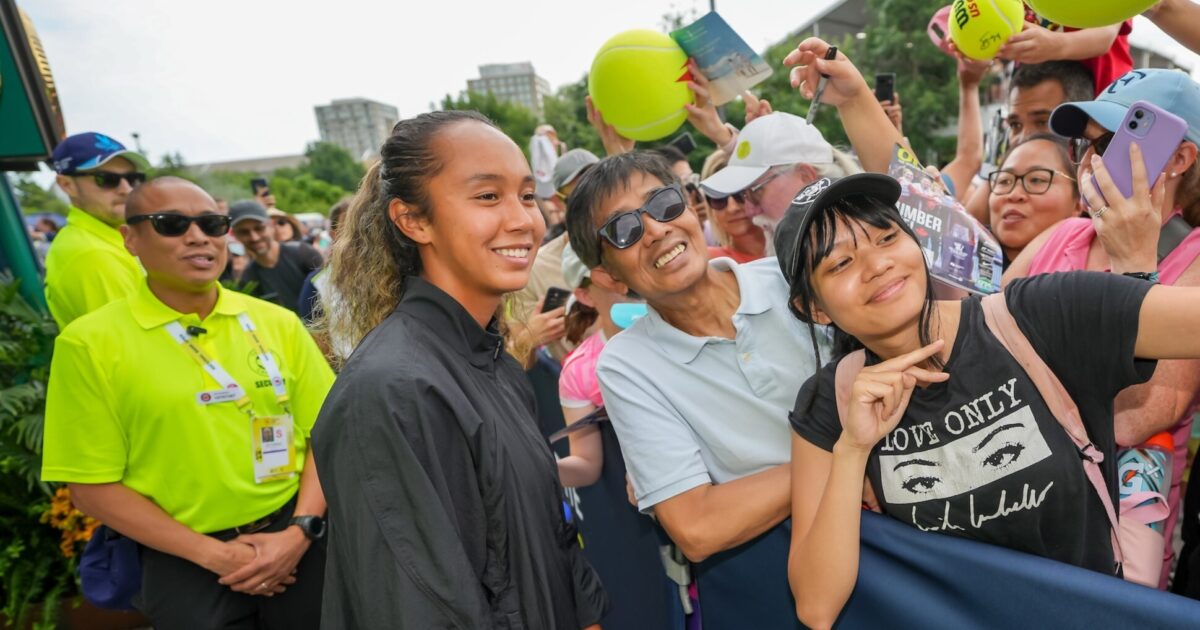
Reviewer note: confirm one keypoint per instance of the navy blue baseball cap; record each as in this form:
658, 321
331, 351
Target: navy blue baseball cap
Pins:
1171, 90
89, 150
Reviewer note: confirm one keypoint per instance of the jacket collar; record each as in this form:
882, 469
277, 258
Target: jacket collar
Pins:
483, 347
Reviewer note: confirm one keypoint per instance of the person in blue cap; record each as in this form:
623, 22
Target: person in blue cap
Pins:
1162, 244
88, 266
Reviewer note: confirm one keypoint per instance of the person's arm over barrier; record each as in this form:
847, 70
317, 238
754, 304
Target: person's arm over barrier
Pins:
870, 130
669, 475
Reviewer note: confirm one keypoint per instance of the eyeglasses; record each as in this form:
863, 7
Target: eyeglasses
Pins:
172, 224
753, 192
107, 180
1035, 182
280, 221
1080, 146
624, 229
720, 203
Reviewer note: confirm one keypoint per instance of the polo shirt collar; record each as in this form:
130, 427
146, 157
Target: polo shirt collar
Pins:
149, 312
483, 347
753, 299
96, 227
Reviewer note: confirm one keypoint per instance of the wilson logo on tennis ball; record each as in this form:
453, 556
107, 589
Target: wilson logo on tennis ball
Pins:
981, 27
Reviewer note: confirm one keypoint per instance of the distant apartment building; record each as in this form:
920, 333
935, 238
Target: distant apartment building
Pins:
512, 82
358, 125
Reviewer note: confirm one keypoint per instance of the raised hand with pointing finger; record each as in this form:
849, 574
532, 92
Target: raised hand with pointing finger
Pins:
881, 393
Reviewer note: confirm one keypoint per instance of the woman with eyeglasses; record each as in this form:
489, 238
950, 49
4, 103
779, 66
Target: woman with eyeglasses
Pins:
1158, 243
1032, 190
738, 237
445, 507
287, 227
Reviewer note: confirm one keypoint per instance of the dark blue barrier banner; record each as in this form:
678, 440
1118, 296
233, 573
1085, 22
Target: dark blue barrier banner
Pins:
912, 579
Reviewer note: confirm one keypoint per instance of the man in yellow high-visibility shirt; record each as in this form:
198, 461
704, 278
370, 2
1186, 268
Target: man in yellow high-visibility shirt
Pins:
88, 266
180, 417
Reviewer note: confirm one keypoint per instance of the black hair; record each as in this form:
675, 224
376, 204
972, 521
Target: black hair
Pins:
818, 243
671, 154
372, 258
604, 179
1077, 81
1061, 149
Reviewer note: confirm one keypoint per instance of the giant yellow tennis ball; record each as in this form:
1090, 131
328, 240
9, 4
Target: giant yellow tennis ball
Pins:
980, 27
636, 84
1089, 13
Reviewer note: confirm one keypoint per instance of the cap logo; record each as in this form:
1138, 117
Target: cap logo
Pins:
743, 149
811, 191
104, 143
1126, 79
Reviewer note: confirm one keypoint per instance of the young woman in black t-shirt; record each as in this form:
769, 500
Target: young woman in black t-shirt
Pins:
949, 430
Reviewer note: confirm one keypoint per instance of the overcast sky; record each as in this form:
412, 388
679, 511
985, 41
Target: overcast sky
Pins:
222, 80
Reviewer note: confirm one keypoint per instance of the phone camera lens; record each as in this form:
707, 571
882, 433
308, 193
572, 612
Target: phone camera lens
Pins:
1133, 125
1139, 113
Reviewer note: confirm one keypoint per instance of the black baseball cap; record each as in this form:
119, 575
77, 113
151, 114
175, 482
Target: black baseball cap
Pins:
817, 196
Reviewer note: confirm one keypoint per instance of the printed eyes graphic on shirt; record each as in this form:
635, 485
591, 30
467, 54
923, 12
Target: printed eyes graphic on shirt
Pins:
1005, 446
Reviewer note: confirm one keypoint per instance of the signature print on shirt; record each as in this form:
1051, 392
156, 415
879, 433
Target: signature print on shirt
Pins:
1006, 446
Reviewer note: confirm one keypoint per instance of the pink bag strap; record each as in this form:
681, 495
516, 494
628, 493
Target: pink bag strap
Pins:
1000, 321
847, 370
1155, 510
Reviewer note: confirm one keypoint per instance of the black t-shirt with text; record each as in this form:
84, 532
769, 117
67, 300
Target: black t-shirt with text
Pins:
281, 284
981, 456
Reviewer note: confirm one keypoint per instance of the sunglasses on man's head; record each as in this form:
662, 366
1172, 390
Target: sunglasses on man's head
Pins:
1079, 146
104, 179
720, 203
624, 229
173, 224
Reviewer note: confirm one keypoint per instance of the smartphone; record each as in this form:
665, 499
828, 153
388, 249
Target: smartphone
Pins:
684, 142
1157, 133
885, 86
259, 184
555, 298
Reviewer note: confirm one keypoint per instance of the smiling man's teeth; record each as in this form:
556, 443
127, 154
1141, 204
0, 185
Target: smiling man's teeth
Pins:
514, 253
669, 256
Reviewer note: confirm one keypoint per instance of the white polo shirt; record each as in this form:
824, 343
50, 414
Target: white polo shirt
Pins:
696, 410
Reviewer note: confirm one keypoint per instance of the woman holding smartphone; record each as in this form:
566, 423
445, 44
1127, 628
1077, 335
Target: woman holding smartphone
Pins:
445, 506
952, 434
1130, 243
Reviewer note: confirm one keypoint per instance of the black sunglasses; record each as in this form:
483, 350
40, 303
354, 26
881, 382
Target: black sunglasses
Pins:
719, 203
1079, 146
104, 179
624, 229
172, 224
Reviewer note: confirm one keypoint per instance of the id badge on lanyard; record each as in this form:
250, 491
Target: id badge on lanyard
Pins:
273, 447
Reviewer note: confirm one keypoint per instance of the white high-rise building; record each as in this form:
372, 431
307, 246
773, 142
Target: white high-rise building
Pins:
358, 125
512, 82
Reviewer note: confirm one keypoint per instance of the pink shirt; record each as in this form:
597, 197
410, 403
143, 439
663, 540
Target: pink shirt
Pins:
577, 383
1067, 250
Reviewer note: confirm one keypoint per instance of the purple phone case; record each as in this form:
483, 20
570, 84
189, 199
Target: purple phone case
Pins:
1157, 145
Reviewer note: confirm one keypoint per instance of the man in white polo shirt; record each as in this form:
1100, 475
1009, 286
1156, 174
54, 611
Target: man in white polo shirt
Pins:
700, 388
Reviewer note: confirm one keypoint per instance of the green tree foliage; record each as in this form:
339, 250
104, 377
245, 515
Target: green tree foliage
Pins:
304, 193
33, 198
514, 120
332, 164
34, 570
895, 41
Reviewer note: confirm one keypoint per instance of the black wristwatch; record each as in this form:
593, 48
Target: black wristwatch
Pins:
312, 526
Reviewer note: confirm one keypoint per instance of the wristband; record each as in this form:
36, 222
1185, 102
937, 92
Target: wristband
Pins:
1142, 275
